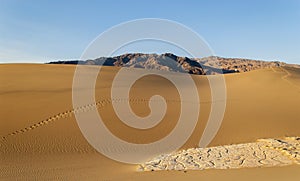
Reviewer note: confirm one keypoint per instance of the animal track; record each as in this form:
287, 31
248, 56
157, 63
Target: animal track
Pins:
69, 113
285, 77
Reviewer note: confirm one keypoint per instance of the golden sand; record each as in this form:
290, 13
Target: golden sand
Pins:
40, 138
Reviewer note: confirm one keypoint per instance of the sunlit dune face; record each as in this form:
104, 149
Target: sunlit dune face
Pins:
142, 90
140, 93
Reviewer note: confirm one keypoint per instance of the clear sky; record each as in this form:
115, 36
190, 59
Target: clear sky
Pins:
40, 30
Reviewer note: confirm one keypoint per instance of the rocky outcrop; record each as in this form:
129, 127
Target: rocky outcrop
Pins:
170, 62
238, 64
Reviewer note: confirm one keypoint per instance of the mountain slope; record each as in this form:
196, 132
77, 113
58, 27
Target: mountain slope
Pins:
171, 62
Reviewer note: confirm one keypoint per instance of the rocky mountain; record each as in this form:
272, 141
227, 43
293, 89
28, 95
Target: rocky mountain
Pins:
170, 62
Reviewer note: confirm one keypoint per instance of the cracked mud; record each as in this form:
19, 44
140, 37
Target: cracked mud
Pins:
263, 153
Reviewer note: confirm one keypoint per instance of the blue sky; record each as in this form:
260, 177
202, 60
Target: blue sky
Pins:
39, 31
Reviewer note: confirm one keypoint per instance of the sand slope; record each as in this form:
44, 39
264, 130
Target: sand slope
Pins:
40, 137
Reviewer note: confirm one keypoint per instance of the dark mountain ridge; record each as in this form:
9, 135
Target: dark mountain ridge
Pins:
170, 62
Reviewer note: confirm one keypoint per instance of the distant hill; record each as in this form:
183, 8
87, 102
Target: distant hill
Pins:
170, 62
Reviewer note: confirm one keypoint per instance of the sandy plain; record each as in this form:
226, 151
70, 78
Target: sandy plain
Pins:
40, 138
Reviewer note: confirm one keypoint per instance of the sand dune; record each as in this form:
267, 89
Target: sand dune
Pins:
40, 137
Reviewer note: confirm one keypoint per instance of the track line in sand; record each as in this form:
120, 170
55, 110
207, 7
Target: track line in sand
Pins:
65, 114
272, 68
55, 117
285, 77
85, 108
262, 153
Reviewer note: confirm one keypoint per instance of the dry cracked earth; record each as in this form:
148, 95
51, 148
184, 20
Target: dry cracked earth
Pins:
262, 153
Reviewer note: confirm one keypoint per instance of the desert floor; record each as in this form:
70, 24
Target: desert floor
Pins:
40, 138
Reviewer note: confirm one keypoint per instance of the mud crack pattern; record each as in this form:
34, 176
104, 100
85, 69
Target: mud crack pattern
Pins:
262, 153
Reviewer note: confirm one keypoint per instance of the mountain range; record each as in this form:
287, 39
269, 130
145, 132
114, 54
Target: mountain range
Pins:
170, 62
